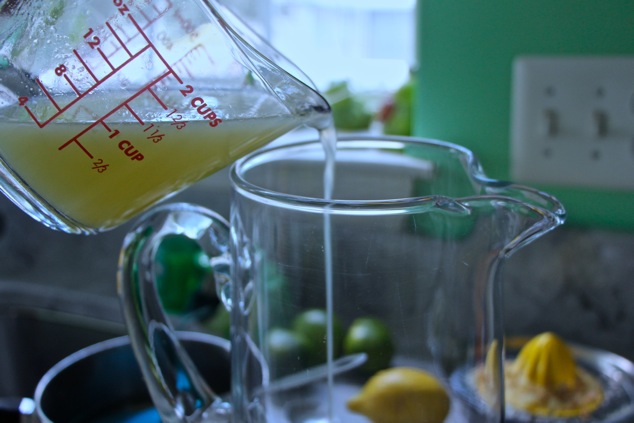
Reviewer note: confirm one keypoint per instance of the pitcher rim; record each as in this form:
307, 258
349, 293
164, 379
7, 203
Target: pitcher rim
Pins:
394, 205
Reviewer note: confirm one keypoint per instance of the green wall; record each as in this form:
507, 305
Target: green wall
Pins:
465, 54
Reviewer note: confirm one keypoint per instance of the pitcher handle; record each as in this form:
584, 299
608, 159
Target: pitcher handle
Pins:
177, 389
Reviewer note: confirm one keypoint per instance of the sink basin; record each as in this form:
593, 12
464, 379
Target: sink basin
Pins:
43, 325
40, 325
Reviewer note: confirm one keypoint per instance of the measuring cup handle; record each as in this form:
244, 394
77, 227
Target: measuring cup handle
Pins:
177, 389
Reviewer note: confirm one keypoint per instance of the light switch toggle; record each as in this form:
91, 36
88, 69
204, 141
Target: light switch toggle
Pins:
552, 122
572, 121
600, 123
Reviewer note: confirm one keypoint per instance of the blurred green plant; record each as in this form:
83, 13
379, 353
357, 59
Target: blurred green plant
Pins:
396, 112
349, 111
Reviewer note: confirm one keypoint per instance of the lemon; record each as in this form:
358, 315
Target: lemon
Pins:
371, 336
402, 395
312, 324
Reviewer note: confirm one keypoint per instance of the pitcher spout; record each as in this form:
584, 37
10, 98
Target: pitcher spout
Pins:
536, 213
502, 217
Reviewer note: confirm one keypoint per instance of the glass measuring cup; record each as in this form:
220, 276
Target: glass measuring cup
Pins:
414, 237
108, 106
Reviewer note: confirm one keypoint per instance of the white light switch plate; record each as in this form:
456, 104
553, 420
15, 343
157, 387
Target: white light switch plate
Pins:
572, 121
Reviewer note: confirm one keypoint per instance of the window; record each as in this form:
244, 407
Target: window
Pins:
369, 43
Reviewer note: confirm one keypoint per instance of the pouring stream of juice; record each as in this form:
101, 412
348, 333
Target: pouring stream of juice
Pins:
329, 141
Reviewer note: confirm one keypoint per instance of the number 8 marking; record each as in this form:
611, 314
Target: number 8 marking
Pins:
60, 70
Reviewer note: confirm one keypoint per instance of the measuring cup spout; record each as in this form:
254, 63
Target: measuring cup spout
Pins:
177, 389
282, 77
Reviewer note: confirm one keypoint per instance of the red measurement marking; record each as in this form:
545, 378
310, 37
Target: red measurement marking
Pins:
123, 44
105, 58
79, 97
107, 115
47, 94
71, 84
159, 13
193, 57
137, 117
146, 17
149, 20
167, 65
74, 140
163, 105
33, 117
113, 133
85, 65
138, 93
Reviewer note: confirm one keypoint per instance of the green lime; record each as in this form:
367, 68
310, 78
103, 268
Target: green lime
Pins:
312, 324
287, 352
219, 323
181, 270
370, 335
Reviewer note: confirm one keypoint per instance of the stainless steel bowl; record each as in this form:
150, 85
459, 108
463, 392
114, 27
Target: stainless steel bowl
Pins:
102, 383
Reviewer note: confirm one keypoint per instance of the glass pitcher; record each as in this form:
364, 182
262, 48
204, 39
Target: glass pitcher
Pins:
108, 106
408, 251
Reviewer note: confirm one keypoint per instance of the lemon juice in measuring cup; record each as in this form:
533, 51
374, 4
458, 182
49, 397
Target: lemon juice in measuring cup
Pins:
108, 108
